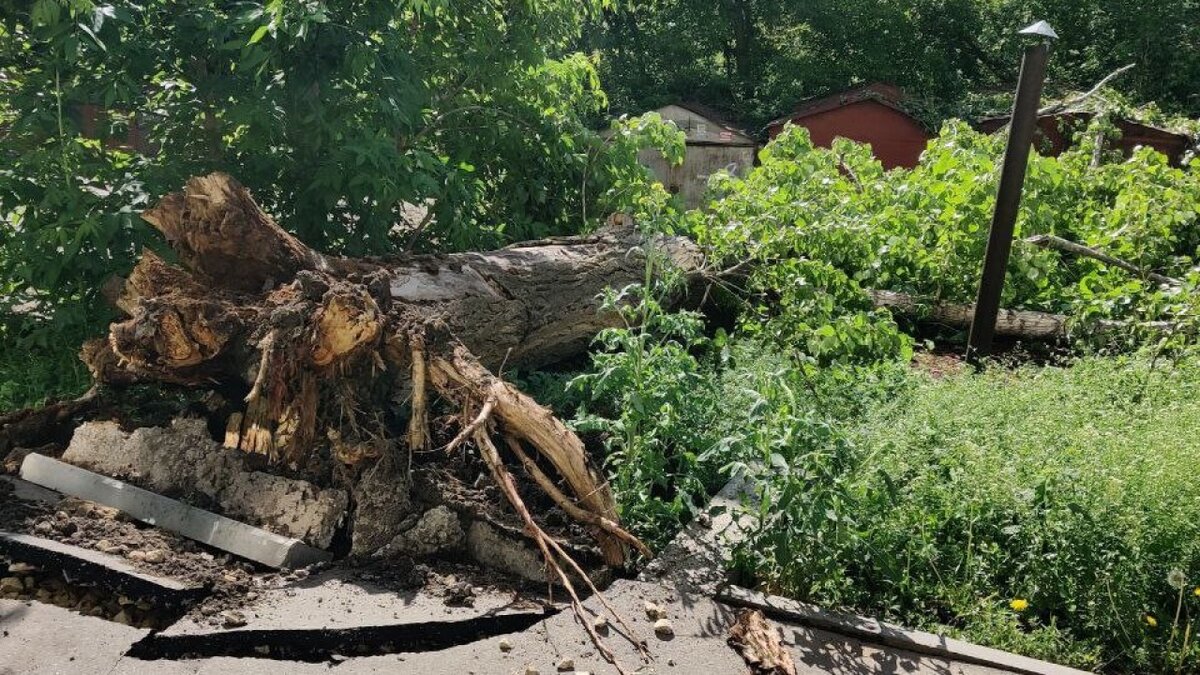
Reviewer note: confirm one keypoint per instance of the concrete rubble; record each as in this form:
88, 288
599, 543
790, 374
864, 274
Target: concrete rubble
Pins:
183, 460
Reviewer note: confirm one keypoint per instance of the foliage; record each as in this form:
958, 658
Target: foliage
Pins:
39, 367
653, 395
966, 493
758, 58
922, 231
347, 121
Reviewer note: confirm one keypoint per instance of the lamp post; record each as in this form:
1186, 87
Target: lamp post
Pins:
1022, 124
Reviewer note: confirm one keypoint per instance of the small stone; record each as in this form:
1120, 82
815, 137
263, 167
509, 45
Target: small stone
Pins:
30, 582
122, 617
505, 645
530, 670
156, 556
136, 556
704, 520
566, 664
251, 596
124, 600
21, 568
209, 610
61, 516
653, 611
232, 619
600, 623
11, 585
460, 594
671, 662
663, 628
43, 527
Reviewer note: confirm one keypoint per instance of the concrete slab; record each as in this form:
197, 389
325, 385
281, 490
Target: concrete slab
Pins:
224, 533
38, 639
339, 600
697, 558
86, 566
698, 646
338, 613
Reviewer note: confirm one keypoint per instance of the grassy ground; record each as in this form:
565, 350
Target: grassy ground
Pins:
35, 369
1051, 511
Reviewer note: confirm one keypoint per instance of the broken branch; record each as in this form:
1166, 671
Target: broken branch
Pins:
1067, 246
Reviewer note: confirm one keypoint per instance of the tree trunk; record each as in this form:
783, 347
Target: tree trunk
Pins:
1017, 323
324, 346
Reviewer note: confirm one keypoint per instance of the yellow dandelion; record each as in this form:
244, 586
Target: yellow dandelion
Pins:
1151, 621
1019, 604
1196, 592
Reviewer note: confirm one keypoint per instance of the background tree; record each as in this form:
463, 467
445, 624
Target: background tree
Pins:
340, 117
757, 58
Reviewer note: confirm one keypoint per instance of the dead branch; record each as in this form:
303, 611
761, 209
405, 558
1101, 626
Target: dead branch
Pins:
1067, 105
758, 641
1067, 246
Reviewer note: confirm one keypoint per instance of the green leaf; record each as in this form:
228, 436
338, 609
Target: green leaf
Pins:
259, 34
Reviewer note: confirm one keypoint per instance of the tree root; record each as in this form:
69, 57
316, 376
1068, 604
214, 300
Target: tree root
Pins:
550, 547
569, 506
458, 375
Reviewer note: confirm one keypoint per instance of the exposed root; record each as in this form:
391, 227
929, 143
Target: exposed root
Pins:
457, 374
485, 412
568, 505
418, 422
549, 547
264, 347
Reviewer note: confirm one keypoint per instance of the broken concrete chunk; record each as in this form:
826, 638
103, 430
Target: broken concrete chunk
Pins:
384, 503
183, 460
438, 531
493, 548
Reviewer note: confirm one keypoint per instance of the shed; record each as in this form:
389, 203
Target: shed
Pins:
873, 114
713, 144
1055, 132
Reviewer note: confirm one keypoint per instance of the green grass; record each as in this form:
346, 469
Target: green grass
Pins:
1074, 489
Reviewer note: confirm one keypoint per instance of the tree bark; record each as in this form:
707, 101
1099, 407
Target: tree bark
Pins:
324, 345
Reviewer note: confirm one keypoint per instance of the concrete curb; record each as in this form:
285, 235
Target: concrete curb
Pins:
878, 632
224, 533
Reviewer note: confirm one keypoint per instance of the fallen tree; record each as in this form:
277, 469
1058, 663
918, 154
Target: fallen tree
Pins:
324, 347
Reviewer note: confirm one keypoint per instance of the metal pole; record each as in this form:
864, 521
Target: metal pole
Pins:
1022, 124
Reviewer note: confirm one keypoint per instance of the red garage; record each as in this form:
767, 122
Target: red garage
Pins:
871, 114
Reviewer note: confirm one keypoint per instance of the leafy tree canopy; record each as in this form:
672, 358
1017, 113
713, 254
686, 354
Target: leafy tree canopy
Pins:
757, 58
366, 127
